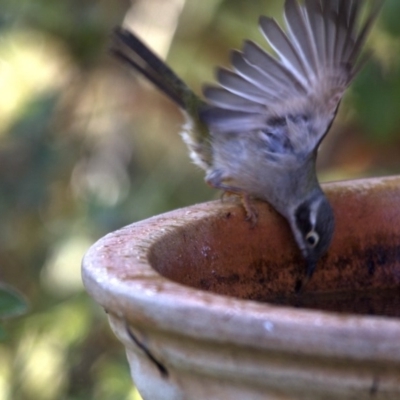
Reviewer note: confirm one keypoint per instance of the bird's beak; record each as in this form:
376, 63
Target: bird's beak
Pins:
311, 265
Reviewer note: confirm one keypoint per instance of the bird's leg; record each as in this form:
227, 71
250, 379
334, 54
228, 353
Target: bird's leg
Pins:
216, 180
251, 212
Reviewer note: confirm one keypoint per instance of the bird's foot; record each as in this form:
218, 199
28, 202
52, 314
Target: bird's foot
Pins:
216, 180
246, 200
251, 212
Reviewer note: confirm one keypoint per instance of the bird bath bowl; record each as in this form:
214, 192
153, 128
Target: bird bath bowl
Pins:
206, 306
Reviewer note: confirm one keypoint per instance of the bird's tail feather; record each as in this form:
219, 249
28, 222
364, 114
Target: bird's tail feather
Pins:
133, 52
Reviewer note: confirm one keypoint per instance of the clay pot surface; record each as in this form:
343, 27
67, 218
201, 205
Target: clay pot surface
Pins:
190, 294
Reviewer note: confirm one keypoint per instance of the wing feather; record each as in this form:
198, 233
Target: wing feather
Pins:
314, 61
222, 98
272, 68
300, 34
230, 121
359, 43
316, 24
252, 74
283, 47
242, 87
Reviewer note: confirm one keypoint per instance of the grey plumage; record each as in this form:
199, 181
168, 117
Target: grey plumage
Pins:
258, 131
316, 61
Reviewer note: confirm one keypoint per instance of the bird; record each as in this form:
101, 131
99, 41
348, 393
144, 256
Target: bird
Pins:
257, 130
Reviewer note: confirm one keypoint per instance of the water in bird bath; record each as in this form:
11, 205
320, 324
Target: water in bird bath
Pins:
376, 302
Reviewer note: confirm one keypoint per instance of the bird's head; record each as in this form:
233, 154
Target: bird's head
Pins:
313, 224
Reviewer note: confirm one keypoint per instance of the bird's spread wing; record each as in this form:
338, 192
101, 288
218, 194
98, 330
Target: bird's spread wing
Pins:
292, 97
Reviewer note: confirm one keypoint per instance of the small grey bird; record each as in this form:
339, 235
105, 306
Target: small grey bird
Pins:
258, 131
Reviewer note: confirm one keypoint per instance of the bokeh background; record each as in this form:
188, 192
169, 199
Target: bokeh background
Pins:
87, 147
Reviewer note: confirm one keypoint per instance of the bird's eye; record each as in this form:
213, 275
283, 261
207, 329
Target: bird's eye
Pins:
312, 238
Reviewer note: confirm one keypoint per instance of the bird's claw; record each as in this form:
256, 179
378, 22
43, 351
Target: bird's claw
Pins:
251, 212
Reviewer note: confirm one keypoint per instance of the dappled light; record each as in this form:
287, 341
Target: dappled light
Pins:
87, 147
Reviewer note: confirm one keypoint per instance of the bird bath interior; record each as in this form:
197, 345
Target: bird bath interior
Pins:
206, 305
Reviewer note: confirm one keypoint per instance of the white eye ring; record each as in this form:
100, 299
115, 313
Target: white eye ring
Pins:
312, 239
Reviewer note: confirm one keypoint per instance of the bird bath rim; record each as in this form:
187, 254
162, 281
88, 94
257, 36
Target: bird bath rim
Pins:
118, 275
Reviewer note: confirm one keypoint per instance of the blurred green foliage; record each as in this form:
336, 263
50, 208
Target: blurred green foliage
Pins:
86, 148
12, 304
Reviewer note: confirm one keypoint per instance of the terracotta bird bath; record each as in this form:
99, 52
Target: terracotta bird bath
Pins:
206, 306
